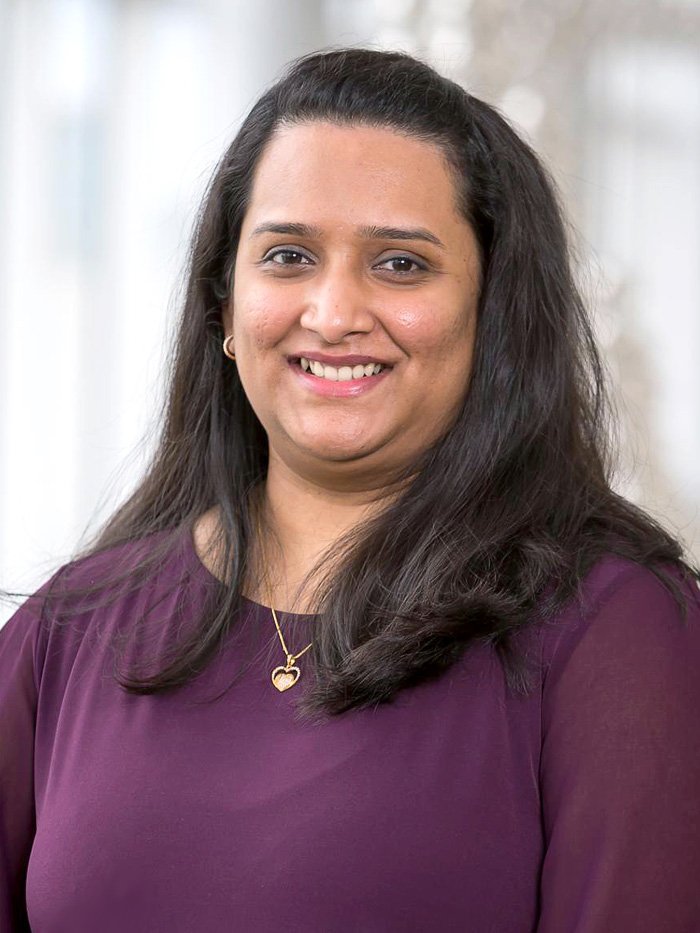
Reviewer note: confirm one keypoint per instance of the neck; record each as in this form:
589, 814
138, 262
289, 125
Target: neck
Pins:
299, 522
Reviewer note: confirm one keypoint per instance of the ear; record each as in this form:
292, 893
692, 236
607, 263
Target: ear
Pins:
227, 317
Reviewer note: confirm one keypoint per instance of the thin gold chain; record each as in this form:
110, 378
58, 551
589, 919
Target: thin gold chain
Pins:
291, 658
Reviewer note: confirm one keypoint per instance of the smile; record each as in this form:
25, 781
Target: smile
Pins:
346, 382
342, 373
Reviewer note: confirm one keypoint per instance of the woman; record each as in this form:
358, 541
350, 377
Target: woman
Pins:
391, 655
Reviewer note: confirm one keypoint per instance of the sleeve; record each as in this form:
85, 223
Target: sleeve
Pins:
620, 766
19, 642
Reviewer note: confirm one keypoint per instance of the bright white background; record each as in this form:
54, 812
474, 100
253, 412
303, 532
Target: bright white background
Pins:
113, 114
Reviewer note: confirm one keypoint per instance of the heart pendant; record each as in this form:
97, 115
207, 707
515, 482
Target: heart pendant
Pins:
285, 677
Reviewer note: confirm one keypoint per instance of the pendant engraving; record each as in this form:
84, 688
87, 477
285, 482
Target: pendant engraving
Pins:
285, 677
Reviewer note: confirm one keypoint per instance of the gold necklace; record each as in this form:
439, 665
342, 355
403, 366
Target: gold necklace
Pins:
283, 677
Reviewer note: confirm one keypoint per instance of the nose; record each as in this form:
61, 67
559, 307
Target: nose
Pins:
336, 304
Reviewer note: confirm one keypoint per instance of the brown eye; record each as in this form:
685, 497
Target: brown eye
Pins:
290, 257
402, 265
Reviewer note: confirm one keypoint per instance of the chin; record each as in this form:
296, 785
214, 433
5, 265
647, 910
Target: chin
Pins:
339, 454
336, 451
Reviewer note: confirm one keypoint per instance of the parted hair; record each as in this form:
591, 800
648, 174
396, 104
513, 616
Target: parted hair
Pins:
497, 523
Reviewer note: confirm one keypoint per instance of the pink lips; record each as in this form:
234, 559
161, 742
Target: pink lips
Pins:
330, 389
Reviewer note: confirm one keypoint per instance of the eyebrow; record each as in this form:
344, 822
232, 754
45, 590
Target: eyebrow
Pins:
372, 232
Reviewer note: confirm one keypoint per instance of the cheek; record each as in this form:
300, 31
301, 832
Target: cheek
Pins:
439, 338
261, 319
432, 329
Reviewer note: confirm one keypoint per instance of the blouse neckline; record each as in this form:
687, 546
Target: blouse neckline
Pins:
206, 574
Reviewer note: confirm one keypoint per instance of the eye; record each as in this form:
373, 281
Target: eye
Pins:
289, 257
402, 265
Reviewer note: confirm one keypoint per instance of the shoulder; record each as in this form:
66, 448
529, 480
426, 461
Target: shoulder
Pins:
624, 619
113, 563
145, 562
123, 577
22, 637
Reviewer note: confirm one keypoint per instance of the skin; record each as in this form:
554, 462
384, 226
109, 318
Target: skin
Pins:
333, 461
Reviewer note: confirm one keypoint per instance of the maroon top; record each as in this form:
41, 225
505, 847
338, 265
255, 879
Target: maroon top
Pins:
455, 807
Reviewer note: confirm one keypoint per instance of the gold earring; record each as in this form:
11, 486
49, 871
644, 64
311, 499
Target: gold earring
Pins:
227, 350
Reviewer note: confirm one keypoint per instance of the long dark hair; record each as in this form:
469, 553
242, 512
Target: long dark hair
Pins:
502, 518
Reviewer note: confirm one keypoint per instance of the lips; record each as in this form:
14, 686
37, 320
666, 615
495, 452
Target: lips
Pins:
328, 388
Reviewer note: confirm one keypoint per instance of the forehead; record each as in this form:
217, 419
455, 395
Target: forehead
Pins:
353, 175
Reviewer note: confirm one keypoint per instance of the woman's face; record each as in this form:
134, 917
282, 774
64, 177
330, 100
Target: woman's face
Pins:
352, 246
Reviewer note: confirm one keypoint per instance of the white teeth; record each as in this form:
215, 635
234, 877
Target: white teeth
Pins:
344, 374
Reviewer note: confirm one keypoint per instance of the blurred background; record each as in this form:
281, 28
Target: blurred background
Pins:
113, 114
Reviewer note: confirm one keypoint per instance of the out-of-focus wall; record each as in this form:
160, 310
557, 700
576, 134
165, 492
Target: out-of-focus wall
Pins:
113, 114
610, 95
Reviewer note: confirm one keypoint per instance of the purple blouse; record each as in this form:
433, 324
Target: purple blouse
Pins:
456, 807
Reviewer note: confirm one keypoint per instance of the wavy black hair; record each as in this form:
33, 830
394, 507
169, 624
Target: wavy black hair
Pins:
502, 518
